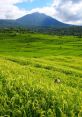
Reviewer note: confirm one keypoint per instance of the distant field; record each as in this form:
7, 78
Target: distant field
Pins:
38, 45
40, 75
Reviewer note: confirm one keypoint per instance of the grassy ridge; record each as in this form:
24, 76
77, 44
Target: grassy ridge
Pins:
29, 67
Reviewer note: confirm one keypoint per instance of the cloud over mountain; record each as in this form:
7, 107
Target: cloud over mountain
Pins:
67, 11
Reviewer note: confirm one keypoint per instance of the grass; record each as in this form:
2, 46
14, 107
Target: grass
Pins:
29, 67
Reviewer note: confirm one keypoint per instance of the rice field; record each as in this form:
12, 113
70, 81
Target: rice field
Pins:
40, 75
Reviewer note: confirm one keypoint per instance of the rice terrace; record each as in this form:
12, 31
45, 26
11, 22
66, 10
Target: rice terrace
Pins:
40, 75
40, 58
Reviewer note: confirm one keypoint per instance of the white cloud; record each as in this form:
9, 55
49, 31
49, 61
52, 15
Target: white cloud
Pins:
69, 11
9, 10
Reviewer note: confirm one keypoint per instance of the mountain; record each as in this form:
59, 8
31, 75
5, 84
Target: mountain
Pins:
40, 19
8, 23
34, 20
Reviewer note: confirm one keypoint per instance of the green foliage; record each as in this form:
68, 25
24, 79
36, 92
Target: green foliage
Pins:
29, 66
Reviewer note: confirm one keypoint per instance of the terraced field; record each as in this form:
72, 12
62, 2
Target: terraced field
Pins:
40, 75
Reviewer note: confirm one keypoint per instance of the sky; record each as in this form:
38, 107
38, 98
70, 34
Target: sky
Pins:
67, 11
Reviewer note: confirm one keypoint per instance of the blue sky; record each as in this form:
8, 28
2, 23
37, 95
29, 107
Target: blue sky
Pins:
34, 4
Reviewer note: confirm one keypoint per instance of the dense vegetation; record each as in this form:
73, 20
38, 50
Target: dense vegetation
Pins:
40, 75
72, 30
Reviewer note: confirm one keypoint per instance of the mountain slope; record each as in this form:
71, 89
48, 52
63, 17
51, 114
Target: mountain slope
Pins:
34, 20
8, 23
39, 19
